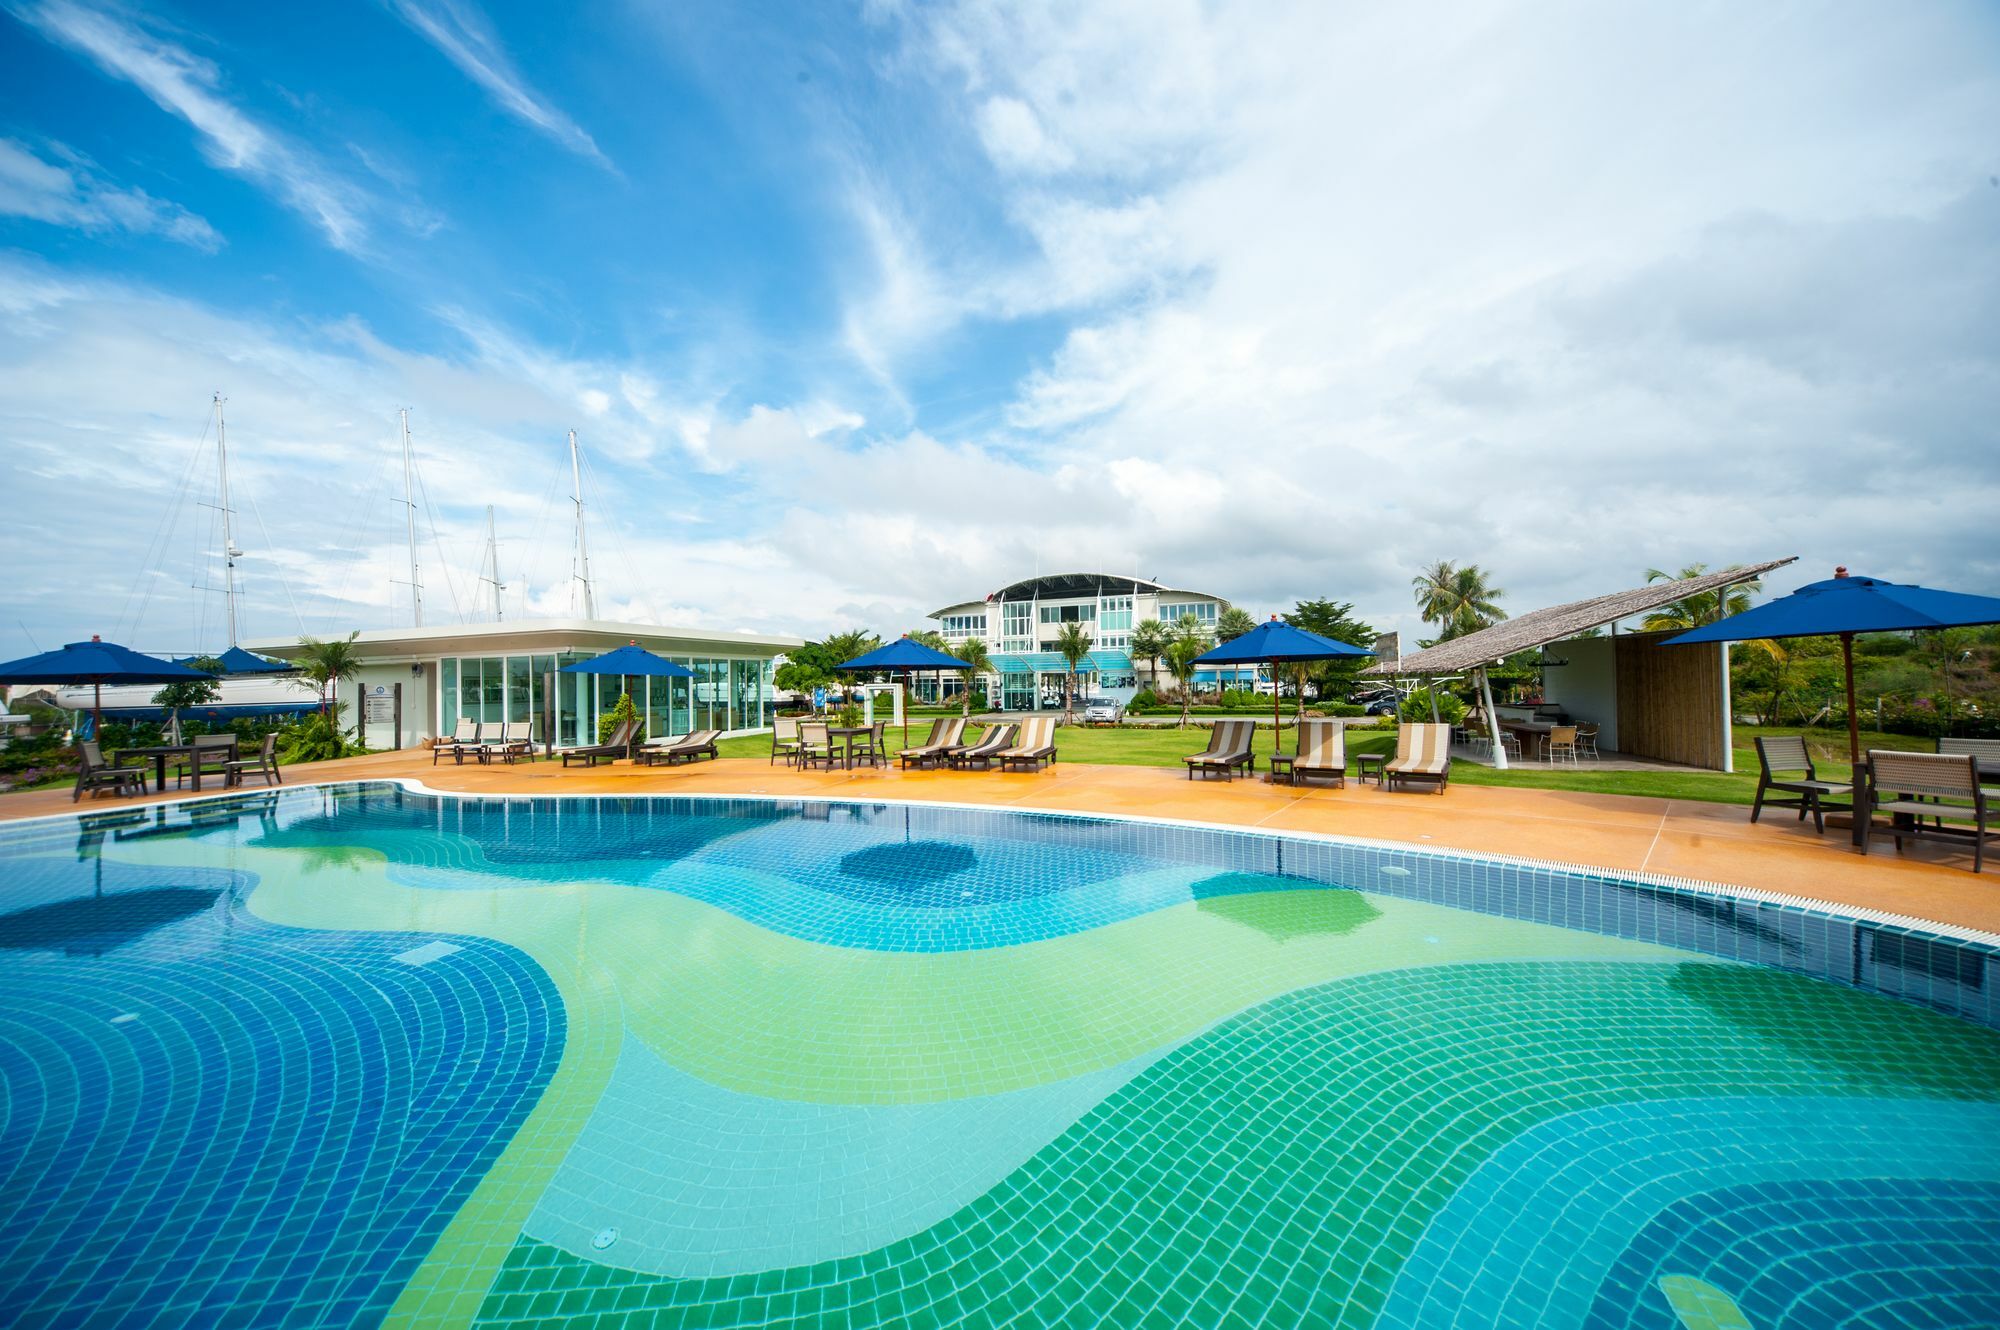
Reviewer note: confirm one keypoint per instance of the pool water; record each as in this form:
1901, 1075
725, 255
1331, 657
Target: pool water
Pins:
365, 1055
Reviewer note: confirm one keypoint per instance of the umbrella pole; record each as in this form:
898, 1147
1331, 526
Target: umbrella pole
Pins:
1277, 719
1853, 722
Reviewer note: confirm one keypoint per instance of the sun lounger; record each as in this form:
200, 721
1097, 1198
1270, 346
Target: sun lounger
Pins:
982, 754
1423, 756
619, 745
507, 747
93, 772
1035, 745
687, 749
1322, 752
1228, 748
464, 739
1787, 767
1943, 787
945, 735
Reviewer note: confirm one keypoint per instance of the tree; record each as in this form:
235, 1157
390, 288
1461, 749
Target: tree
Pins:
1073, 644
1703, 607
842, 647
1334, 619
1458, 600
933, 639
1232, 623
1189, 640
973, 652
1149, 643
324, 665
189, 693
796, 676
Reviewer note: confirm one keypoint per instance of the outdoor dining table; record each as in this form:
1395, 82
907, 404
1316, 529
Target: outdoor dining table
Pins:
1533, 734
161, 752
847, 734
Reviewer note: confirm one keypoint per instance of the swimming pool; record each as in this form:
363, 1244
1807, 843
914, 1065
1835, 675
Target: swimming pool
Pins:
361, 1055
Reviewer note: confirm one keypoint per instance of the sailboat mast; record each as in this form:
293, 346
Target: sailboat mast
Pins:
582, 549
410, 522
493, 564
229, 550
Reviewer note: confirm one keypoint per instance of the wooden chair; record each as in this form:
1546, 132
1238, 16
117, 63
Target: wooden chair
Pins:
94, 773
784, 739
211, 757
1561, 745
1778, 759
264, 764
815, 744
1940, 786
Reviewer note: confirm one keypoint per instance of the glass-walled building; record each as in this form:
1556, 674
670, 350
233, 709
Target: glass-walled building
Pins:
1020, 623
417, 683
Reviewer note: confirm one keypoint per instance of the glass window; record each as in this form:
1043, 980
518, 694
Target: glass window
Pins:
1115, 612
448, 695
680, 705
659, 708
1069, 613
538, 684
1204, 612
492, 694
520, 694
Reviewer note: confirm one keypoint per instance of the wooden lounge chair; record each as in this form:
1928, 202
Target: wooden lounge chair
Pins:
945, 735
94, 773
1786, 765
698, 744
619, 745
507, 747
784, 739
1035, 745
1322, 752
464, 739
1228, 748
991, 744
1423, 756
265, 764
1939, 786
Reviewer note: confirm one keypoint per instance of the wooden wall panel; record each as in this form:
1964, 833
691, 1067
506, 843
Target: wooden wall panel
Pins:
1670, 701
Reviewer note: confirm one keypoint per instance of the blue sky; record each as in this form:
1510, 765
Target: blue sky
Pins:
863, 310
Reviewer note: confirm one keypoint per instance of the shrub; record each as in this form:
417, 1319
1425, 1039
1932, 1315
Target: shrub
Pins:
624, 712
1417, 707
314, 738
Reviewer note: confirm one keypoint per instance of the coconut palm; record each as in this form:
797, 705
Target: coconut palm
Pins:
1458, 600
1149, 643
977, 662
324, 664
1073, 644
1703, 607
1189, 640
1232, 623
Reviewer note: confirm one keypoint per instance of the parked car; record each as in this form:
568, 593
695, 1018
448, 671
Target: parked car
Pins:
1102, 711
1381, 706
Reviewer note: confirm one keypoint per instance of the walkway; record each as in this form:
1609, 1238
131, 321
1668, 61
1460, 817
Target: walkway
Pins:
1709, 842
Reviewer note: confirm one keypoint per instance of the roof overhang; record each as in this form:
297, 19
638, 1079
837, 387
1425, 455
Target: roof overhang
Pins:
1558, 622
540, 635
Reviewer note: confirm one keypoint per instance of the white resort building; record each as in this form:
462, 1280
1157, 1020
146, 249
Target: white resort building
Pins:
415, 683
1019, 623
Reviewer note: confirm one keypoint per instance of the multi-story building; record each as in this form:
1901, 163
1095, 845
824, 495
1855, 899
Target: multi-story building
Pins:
1019, 624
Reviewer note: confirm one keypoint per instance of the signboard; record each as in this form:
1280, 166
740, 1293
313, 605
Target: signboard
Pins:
378, 705
1389, 649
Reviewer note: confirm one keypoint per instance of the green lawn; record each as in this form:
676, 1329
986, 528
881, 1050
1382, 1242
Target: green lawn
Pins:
1154, 747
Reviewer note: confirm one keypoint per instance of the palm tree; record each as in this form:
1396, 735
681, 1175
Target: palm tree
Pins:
1074, 645
325, 664
1458, 600
850, 644
977, 662
1189, 640
1232, 623
1703, 607
1149, 643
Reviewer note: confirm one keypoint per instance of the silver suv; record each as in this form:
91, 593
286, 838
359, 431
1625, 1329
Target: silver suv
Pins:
1102, 711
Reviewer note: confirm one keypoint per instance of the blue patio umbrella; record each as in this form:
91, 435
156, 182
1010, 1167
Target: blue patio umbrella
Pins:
904, 656
628, 659
1845, 605
1278, 643
96, 663
236, 662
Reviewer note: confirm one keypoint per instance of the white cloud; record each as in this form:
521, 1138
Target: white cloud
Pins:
189, 86
73, 193
465, 36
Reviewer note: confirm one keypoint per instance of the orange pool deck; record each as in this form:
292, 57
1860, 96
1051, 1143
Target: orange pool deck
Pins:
1708, 842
